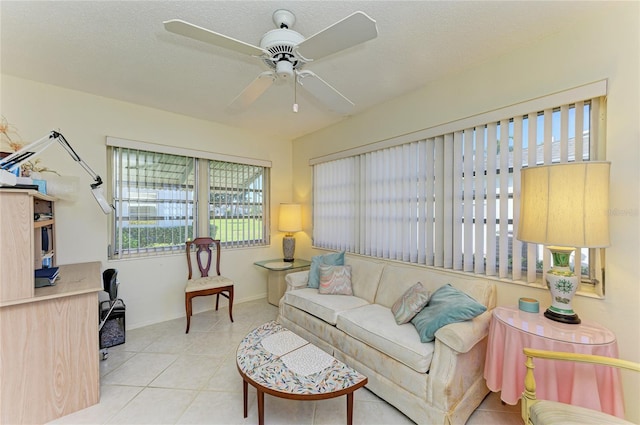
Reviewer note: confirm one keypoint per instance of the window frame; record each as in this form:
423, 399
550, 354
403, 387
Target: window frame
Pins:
199, 212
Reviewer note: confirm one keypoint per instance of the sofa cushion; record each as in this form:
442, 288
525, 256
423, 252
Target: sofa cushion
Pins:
365, 276
332, 259
375, 325
325, 307
396, 279
410, 303
447, 305
335, 280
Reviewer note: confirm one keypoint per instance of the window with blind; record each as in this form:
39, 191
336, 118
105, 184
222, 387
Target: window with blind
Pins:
164, 196
237, 203
449, 198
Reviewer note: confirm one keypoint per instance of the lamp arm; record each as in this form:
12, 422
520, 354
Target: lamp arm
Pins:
76, 157
26, 152
39, 146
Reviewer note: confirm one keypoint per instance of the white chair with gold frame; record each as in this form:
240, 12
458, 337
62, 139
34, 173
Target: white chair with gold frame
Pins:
545, 412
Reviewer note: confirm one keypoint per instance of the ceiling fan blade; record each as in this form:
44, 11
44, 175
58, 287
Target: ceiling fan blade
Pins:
186, 29
252, 91
324, 92
350, 31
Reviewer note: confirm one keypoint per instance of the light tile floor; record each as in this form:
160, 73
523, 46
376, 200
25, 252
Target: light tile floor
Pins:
163, 376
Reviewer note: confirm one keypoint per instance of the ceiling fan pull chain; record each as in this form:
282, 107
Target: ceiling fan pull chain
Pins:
295, 94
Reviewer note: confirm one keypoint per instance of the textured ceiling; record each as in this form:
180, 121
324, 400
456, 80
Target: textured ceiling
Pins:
120, 50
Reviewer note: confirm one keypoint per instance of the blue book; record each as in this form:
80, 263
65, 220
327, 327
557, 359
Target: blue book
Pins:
46, 277
45, 239
49, 273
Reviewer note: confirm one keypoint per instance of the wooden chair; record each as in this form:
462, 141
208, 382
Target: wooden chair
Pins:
544, 412
206, 285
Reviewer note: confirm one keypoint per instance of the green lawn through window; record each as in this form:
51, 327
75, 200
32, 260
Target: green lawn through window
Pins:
236, 229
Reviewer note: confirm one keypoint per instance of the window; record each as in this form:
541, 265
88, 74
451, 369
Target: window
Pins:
164, 196
237, 203
449, 197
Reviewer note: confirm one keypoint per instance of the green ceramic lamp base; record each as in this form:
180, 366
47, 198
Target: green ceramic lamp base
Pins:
563, 284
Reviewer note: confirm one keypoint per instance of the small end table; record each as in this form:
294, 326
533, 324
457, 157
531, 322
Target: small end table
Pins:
278, 269
593, 387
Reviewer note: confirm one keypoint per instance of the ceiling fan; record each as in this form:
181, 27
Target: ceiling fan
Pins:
286, 52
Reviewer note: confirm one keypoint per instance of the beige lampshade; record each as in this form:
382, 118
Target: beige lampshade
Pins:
290, 219
565, 204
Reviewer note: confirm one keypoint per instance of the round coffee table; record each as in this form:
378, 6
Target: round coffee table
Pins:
276, 361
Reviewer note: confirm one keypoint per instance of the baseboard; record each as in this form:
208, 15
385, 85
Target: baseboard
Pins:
223, 304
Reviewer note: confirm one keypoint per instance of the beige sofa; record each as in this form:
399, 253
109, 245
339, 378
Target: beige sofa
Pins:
440, 382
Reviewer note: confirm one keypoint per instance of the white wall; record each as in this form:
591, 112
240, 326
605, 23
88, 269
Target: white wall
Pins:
605, 47
153, 288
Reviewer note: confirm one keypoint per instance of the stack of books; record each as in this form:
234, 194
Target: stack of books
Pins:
46, 276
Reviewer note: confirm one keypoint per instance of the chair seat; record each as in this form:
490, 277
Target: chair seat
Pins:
210, 282
554, 413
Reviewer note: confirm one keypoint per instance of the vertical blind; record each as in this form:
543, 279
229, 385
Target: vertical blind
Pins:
237, 203
450, 200
165, 195
154, 197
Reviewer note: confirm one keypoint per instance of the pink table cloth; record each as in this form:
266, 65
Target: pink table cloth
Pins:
593, 387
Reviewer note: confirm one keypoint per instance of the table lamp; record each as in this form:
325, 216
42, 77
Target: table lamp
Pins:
564, 207
290, 221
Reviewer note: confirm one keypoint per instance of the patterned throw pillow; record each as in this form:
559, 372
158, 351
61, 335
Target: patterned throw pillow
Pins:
410, 303
332, 259
335, 280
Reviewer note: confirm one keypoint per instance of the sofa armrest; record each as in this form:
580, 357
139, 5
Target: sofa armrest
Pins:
297, 280
463, 336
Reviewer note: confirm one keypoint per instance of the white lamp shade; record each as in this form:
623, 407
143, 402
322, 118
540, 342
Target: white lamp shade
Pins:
565, 204
290, 219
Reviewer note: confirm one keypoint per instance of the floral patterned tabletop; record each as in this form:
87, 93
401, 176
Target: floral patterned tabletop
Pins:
276, 358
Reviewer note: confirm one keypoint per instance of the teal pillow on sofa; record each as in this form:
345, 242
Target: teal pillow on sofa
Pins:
446, 305
333, 259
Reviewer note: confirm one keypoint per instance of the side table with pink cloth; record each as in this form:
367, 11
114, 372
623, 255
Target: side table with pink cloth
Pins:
593, 387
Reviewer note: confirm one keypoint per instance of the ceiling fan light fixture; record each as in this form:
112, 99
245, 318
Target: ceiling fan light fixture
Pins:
284, 69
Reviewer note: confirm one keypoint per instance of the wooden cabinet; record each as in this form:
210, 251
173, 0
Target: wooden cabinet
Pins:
27, 222
16, 242
49, 350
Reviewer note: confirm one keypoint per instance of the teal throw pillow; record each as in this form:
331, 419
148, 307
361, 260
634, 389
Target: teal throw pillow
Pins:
333, 259
446, 305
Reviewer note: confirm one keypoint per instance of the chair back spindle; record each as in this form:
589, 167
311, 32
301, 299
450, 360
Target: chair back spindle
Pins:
204, 270
203, 254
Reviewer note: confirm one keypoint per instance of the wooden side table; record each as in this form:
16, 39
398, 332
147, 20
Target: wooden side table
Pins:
278, 269
593, 387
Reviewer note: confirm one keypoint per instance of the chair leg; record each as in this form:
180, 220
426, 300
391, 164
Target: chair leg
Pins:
187, 304
231, 304
217, 300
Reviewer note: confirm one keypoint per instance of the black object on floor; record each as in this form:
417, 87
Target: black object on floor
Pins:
112, 327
